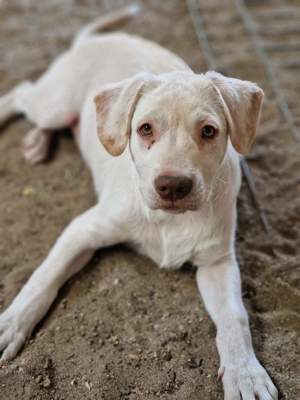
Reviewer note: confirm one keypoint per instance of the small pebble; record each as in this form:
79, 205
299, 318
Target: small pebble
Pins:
28, 191
193, 362
46, 382
167, 356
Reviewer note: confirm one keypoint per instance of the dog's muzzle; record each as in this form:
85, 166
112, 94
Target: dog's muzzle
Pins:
173, 188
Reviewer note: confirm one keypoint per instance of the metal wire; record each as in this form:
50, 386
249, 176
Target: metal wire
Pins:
198, 23
196, 17
260, 50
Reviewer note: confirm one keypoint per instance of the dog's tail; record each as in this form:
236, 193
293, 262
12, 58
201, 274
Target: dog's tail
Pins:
106, 21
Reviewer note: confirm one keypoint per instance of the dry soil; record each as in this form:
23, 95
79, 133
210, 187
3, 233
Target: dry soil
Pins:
122, 328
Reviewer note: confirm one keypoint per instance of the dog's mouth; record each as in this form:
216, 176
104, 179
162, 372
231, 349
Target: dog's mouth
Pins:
176, 207
180, 206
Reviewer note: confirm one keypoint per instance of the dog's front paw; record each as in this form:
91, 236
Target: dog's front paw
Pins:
12, 335
248, 381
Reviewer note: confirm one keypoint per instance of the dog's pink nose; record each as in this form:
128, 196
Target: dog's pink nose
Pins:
173, 187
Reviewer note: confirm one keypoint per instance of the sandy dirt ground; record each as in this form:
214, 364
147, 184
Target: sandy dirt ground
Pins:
122, 328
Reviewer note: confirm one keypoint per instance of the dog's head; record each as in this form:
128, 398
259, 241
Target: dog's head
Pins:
176, 126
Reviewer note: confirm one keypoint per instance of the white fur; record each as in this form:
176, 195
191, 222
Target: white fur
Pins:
129, 210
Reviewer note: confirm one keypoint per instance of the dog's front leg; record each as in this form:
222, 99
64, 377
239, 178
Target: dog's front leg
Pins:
242, 374
73, 249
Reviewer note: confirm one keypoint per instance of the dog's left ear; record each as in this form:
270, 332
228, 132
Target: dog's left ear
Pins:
115, 106
242, 101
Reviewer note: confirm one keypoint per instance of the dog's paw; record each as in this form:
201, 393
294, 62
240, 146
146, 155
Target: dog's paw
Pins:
12, 336
35, 145
248, 381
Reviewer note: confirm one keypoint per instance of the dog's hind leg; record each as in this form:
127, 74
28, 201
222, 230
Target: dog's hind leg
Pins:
51, 103
48, 115
8, 105
36, 144
7, 109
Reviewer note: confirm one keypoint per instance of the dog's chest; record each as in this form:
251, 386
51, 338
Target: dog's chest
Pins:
168, 244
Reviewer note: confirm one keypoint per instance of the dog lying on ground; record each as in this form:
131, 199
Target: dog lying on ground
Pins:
162, 145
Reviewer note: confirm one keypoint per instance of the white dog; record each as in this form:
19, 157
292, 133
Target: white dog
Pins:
162, 145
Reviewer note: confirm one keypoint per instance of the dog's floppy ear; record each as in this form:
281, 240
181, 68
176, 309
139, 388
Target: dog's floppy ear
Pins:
242, 102
115, 106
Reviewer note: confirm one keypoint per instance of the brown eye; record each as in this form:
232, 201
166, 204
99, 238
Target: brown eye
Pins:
208, 132
145, 130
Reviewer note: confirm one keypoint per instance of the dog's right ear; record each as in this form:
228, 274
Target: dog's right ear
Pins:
115, 106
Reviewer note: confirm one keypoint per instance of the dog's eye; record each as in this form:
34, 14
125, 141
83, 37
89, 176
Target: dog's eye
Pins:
145, 130
208, 132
